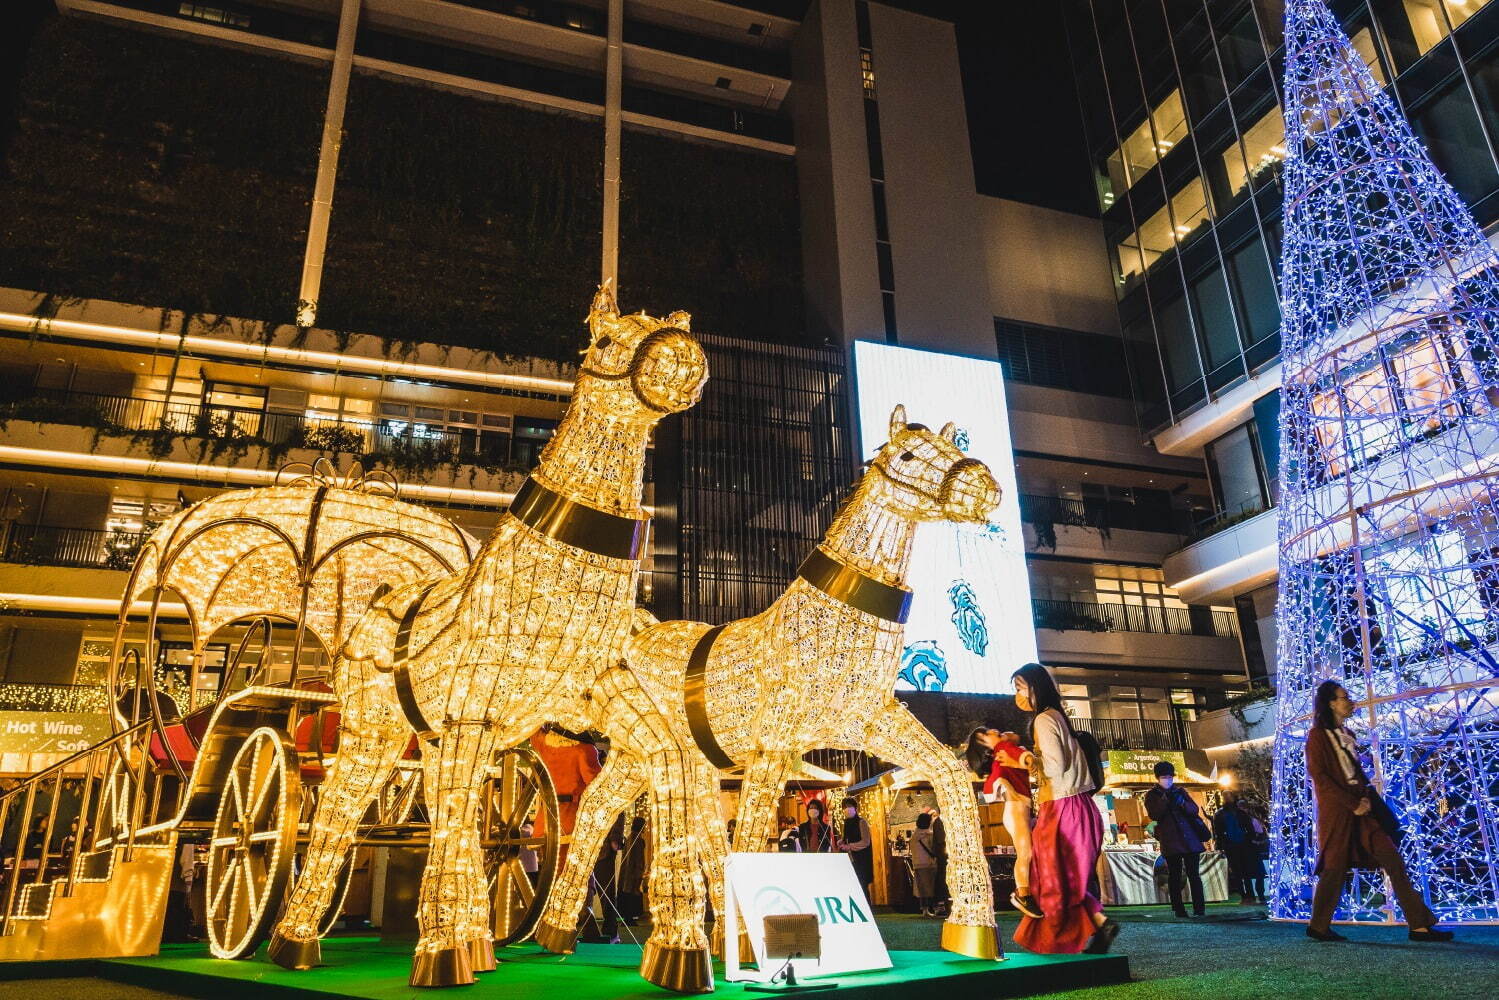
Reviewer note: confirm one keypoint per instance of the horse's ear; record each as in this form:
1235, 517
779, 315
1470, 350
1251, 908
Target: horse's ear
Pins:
680, 320
897, 420
603, 301
949, 430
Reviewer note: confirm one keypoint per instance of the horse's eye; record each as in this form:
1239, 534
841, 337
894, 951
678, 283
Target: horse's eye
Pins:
906, 456
603, 342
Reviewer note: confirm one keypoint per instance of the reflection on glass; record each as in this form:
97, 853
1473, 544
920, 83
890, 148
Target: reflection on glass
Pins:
1459, 11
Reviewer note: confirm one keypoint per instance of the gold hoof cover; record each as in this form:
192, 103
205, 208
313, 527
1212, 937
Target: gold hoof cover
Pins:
975, 942
684, 970
555, 939
448, 967
481, 956
290, 954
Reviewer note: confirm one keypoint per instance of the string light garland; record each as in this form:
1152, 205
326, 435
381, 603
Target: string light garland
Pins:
529, 633
814, 670
1389, 512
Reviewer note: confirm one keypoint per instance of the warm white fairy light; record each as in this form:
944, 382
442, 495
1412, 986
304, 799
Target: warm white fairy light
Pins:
811, 671
527, 634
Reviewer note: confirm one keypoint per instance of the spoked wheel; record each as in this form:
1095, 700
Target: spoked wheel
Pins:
522, 790
254, 839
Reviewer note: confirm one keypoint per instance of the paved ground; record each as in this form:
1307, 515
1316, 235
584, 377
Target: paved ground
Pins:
1233, 955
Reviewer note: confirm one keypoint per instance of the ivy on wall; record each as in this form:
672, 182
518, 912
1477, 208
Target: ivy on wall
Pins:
163, 172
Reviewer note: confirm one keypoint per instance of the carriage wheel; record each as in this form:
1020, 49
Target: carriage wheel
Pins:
254, 839
523, 789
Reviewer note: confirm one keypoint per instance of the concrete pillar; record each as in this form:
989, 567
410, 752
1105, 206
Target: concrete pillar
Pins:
327, 165
614, 64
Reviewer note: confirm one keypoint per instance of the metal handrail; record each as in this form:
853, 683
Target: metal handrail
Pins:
1101, 514
1099, 616
1136, 734
84, 548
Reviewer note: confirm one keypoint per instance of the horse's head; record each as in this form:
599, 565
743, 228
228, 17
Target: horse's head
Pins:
923, 476
642, 367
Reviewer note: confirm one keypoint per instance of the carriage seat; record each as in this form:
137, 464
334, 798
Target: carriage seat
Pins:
184, 736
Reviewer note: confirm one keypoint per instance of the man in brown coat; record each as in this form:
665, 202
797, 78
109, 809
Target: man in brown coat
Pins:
1348, 834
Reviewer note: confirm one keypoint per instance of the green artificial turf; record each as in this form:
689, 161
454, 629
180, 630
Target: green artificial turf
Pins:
366, 968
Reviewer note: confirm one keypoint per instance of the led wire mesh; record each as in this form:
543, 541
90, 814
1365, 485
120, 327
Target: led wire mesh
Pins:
1389, 547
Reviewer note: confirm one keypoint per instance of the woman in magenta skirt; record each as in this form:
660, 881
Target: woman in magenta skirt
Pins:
1068, 835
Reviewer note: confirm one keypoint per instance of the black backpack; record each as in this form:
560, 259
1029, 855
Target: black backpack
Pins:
1093, 753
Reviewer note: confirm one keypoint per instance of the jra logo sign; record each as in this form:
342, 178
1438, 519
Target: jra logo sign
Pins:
761, 885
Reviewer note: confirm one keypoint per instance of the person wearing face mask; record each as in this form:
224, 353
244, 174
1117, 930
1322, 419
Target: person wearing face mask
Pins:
1349, 832
1181, 831
1067, 839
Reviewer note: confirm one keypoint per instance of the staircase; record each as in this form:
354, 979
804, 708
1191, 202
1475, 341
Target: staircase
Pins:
97, 889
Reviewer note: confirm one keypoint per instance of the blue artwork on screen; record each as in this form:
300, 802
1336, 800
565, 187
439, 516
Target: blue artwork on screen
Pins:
971, 622
923, 666
968, 618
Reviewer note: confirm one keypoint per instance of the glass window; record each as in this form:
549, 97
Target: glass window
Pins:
1241, 50
1267, 435
1189, 208
1264, 148
1421, 584
1272, 15
1449, 125
1180, 353
1459, 11
1215, 318
1184, 218
1363, 44
1163, 128
1428, 26
1232, 469
1259, 300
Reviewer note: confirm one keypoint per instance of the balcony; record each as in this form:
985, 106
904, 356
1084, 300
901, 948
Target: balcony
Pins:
1103, 516
78, 548
229, 430
1089, 616
1136, 734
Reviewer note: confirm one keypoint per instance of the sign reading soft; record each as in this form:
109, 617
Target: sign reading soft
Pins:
971, 621
765, 885
51, 732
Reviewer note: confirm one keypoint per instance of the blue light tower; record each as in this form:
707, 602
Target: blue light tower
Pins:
1389, 512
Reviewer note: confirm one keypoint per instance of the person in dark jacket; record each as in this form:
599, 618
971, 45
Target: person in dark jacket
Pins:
1349, 834
858, 843
1180, 830
1238, 834
816, 835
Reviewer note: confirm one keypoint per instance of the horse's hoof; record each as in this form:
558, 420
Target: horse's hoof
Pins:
973, 941
685, 970
292, 954
481, 955
555, 939
444, 967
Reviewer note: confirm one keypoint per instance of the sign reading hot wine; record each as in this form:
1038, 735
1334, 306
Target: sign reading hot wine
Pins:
51, 732
765, 885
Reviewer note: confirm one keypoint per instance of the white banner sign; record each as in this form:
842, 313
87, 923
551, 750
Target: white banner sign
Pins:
761, 885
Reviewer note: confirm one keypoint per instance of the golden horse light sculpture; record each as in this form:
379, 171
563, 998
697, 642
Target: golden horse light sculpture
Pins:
477, 661
815, 669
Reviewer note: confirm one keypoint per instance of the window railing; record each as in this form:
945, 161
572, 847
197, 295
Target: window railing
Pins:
1097, 616
374, 436
1102, 515
1225, 519
1136, 734
83, 548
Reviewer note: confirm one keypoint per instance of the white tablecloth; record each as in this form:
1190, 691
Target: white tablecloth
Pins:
1128, 878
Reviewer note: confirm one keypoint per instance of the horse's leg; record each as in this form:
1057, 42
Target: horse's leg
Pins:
764, 780
897, 736
676, 954
453, 770
372, 735
622, 779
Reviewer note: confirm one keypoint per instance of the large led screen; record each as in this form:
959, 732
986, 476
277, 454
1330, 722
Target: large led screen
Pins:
971, 623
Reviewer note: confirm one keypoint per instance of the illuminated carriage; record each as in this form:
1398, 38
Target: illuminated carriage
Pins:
284, 572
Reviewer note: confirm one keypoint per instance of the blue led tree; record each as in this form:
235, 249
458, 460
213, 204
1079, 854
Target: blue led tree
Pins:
1389, 512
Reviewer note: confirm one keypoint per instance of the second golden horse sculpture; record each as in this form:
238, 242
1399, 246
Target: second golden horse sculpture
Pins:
537, 630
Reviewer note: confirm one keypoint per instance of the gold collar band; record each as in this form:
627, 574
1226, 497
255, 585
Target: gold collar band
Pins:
694, 694
854, 588
578, 525
404, 693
